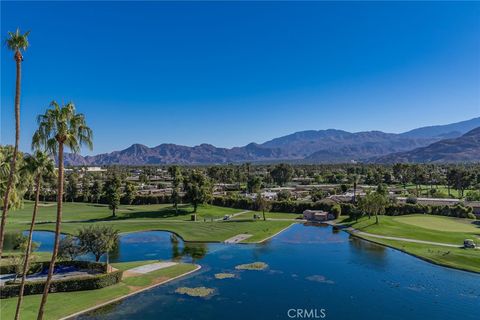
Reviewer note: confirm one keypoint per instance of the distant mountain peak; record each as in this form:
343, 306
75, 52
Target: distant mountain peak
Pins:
318, 146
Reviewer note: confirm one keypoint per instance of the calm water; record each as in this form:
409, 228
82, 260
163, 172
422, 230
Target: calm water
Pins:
310, 267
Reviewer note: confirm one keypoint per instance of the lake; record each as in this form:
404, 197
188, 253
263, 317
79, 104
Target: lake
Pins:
311, 267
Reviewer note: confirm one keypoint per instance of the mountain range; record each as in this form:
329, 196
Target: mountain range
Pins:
456, 142
465, 148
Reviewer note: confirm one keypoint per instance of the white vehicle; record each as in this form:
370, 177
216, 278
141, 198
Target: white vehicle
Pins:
468, 243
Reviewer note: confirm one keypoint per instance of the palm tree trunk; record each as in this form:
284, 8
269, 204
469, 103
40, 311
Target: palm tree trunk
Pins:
29, 248
15, 150
41, 310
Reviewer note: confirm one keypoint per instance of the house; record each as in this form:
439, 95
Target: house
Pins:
317, 215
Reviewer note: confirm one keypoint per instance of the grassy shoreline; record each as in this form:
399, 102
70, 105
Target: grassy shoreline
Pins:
406, 248
59, 305
425, 228
153, 217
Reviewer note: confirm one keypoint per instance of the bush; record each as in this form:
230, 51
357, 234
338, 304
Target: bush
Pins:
66, 285
336, 211
473, 196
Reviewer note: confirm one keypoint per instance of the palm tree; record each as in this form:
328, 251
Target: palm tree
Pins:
16, 42
59, 127
38, 165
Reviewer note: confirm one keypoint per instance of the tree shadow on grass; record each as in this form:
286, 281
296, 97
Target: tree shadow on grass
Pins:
168, 212
476, 223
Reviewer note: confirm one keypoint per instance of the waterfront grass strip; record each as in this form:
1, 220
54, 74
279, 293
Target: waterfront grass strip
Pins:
61, 305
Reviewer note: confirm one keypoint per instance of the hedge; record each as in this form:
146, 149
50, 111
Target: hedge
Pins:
282, 206
66, 285
458, 210
39, 266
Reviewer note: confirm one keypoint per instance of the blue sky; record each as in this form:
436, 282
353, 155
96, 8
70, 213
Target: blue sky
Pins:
232, 73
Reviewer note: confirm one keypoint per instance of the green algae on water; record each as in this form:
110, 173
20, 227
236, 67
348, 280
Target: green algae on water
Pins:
252, 266
195, 292
224, 275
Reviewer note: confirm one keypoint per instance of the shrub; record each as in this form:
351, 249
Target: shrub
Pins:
336, 210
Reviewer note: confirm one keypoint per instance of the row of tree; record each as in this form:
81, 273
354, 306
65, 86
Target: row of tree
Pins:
59, 128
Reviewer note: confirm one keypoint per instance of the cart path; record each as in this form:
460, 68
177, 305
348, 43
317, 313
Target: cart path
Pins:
361, 233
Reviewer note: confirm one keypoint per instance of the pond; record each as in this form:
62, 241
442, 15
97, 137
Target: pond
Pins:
310, 267
147, 245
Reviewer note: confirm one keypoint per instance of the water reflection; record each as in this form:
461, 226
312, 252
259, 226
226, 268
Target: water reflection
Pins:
367, 251
196, 251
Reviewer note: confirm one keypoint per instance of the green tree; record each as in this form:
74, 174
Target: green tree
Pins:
130, 192
98, 240
70, 248
59, 127
373, 203
86, 180
281, 173
112, 193
96, 191
21, 180
16, 42
39, 165
176, 176
284, 195
197, 189
71, 190
254, 183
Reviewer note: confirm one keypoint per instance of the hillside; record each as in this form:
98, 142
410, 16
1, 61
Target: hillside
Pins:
312, 146
465, 148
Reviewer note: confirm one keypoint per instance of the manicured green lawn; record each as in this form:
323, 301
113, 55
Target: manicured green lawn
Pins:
149, 217
78, 211
440, 188
415, 228
63, 304
441, 223
428, 228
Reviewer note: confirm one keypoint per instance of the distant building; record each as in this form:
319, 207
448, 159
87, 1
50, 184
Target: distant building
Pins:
317, 215
94, 169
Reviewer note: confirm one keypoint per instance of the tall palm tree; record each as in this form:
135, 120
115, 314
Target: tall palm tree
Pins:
59, 127
16, 42
38, 165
